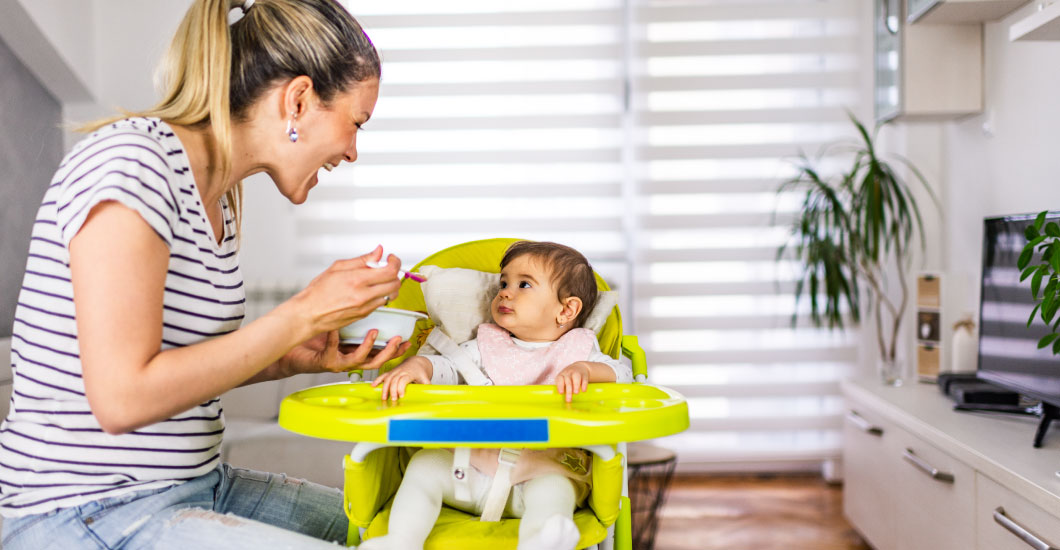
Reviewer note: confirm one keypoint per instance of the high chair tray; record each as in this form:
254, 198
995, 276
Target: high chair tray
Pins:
485, 416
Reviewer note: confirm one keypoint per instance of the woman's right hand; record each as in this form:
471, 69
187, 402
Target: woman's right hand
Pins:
414, 370
345, 292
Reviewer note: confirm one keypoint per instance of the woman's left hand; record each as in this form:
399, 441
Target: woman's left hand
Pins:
324, 353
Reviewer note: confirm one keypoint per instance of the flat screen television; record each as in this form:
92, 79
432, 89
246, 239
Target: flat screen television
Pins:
1008, 349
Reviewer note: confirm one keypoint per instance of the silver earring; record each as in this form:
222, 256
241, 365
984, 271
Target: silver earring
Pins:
292, 133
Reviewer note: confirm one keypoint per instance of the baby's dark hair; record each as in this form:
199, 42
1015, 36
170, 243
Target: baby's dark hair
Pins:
571, 273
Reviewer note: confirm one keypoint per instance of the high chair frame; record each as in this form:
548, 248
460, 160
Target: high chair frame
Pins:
602, 420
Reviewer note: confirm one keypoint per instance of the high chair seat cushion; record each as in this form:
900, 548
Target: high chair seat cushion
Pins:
456, 529
458, 300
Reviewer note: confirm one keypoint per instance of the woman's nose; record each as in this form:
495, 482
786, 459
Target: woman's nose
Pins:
351, 152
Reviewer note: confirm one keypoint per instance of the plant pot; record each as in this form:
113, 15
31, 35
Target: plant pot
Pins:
890, 371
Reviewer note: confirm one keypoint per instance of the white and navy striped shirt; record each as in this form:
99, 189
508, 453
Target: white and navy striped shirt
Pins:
53, 453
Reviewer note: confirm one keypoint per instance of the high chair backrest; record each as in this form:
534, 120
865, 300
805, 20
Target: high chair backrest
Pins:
485, 255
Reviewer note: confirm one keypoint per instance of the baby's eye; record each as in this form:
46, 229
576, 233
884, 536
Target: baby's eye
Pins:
524, 284
504, 284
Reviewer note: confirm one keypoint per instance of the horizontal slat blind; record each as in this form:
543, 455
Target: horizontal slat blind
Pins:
650, 134
725, 94
494, 119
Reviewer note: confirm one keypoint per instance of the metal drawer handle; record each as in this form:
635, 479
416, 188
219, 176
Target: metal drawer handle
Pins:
1020, 531
864, 425
928, 469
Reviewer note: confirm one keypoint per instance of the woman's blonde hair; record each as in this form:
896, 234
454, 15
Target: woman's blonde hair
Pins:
214, 72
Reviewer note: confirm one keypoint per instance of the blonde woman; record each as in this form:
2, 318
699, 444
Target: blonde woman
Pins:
128, 324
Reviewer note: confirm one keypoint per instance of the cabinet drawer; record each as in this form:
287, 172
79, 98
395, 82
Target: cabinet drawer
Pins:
995, 503
936, 496
867, 496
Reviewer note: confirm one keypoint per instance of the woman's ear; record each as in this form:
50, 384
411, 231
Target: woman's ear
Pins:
572, 306
296, 96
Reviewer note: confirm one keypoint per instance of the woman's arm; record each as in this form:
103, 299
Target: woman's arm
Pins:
118, 297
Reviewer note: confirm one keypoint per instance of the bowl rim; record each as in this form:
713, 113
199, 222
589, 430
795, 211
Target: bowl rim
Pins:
399, 311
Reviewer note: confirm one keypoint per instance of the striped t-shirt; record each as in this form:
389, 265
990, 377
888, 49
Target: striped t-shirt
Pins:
53, 453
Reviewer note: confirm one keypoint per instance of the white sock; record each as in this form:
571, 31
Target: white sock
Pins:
546, 522
557, 533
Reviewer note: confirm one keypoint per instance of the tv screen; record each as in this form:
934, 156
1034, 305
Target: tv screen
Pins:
1008, 348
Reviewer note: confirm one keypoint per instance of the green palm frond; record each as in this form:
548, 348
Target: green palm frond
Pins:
848, 227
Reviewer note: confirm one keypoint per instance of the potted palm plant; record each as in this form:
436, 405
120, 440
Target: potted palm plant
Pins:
853, 233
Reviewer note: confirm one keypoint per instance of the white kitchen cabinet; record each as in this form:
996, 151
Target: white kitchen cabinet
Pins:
1006, 521
920, 476
868, 477
925, 71
959, 11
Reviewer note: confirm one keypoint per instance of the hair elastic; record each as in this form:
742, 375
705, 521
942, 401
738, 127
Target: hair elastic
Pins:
237, 13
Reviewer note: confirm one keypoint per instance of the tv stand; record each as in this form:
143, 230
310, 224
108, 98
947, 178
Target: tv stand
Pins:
918, 474
1049, 413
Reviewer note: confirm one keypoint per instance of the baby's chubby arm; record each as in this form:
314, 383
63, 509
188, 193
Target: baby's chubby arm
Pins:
414, 370
577, 376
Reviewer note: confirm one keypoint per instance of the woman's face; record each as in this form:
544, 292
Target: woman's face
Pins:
327, 135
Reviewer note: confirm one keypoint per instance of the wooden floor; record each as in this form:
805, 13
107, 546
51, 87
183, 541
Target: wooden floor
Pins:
752, 512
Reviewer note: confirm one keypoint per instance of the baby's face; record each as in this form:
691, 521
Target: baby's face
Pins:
527, 305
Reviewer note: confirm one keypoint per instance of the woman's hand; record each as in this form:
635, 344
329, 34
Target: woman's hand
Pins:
345, 292
324, 353
414, 370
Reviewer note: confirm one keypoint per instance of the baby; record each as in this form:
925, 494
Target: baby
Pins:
546, 292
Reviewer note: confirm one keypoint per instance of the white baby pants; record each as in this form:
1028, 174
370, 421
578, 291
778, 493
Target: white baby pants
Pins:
428, 482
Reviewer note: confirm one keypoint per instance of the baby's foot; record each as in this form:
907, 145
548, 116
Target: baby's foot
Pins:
557, 533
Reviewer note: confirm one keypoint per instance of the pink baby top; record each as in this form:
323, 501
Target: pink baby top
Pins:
508, 364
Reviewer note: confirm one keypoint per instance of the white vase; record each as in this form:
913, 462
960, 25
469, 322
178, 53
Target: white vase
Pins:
890, 371
964, 347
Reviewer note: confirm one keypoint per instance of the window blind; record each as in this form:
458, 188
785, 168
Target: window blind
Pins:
494, 119
725, 96
649, 134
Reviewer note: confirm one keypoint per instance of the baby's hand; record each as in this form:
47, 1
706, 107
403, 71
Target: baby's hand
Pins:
573, 379
414, 370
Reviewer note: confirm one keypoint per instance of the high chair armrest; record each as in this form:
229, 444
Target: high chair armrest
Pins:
631, 348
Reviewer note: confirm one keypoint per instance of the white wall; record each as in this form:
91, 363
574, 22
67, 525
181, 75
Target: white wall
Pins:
55, 40
1014, 165
98, 56
1003, 161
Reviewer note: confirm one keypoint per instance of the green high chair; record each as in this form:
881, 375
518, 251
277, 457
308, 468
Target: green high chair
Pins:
602, 419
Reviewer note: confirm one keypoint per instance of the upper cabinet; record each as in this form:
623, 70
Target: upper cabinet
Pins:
926, 71
960, 11
1042, 24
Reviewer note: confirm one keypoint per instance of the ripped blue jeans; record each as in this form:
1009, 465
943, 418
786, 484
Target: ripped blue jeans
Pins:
228, 508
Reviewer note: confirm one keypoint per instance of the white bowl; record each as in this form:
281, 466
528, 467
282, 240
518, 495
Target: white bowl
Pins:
389, 321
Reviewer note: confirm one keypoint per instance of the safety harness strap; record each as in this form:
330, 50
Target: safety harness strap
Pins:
501, 486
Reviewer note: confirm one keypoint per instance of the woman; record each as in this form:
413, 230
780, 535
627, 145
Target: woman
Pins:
128, 323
